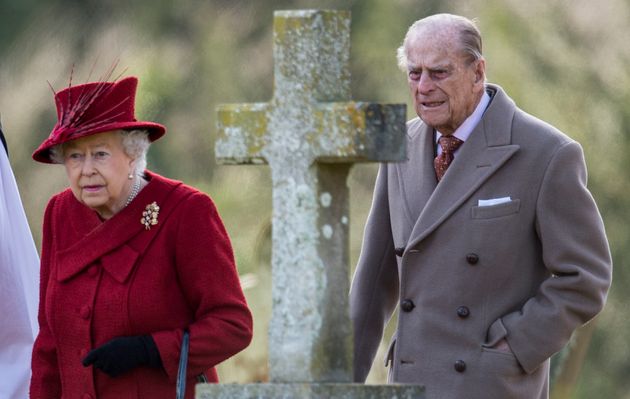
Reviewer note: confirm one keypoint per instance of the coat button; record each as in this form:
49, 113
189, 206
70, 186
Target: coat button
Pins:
472, 258
463, 312
85, 312
407, 305
399, 251
460, 366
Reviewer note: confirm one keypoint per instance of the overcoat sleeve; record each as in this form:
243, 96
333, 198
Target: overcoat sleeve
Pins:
575, 251
45, 379
374, 291
207, 274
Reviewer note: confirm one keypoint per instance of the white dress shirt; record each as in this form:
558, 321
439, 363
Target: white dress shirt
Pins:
466, 128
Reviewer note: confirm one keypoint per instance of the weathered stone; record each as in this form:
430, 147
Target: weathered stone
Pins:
310, 133
308, 391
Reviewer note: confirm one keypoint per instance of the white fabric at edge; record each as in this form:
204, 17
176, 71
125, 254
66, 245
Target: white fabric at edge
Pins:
19, 288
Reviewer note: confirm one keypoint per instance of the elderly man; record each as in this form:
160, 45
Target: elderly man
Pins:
486, 237
19, 270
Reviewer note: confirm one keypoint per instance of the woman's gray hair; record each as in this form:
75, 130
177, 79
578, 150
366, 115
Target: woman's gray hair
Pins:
469, 35
135, 143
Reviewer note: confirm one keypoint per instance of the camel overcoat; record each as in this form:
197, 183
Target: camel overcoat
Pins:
531, 268
114, 278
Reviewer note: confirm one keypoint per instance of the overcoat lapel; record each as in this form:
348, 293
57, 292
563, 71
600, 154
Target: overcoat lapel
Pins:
110, 241
417, 191
486, 150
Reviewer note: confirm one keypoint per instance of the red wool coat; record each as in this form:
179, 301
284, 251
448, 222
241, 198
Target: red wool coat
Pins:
101, 280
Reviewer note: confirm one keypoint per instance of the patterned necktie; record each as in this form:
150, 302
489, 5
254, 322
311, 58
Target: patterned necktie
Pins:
449, 145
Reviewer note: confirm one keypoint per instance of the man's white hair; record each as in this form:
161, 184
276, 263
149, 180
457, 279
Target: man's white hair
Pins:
469, 35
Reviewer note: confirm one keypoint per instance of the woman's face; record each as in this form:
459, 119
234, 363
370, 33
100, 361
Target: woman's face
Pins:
98, 170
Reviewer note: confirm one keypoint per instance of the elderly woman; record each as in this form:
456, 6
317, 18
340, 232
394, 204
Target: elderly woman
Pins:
130, 261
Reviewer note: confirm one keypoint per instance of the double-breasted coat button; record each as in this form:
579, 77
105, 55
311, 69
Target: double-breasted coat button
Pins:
460, 366
85, 312
472, 258
407, 305
463, 312
399, 251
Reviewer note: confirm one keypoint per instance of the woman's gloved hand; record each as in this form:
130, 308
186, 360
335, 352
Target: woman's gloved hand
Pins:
122, 354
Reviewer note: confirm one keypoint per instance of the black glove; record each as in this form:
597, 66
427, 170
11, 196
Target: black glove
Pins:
123, 354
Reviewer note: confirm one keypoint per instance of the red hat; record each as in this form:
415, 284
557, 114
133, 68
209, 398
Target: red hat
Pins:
95, 108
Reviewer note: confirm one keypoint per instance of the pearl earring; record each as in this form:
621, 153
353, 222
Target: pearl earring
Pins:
130, 176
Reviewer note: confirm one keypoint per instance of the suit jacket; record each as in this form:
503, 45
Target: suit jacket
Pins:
101, 280
530, 270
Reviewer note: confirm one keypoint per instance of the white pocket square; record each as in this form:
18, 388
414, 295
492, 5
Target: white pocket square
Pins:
493, 201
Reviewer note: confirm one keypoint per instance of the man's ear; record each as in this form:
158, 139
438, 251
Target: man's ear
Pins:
480, 71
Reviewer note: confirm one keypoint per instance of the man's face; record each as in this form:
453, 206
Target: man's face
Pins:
445, 87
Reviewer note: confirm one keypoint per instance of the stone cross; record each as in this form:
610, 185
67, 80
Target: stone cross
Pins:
310, 133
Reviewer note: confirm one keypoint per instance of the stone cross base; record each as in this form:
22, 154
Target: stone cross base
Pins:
307, 391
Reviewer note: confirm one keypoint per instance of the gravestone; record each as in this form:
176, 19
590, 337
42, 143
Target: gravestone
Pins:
310, 134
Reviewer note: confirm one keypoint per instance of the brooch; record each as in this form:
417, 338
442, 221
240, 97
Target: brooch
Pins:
150, 215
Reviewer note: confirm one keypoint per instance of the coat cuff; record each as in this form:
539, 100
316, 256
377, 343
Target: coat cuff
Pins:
168, 344
521, 348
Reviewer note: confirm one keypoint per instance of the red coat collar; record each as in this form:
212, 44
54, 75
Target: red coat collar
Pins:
116, 242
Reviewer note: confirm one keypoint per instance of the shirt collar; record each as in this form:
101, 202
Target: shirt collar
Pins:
466, 128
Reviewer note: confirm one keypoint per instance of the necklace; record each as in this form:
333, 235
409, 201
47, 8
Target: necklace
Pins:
134, 191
